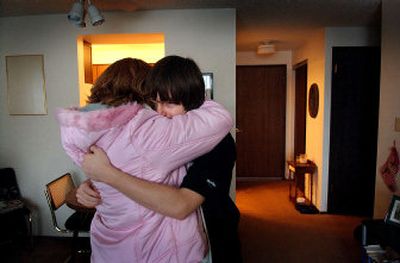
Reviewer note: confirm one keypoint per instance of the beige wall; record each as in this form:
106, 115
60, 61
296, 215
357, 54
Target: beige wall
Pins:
31, 144
318, 52
314, 52
389, 99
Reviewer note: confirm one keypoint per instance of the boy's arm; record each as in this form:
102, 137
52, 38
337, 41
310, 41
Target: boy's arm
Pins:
164, 199
210, 175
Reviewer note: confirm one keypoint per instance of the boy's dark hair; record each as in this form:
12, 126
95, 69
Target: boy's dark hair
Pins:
120, 83
177, 80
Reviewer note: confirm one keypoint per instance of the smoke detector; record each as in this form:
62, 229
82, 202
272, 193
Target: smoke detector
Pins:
266, 48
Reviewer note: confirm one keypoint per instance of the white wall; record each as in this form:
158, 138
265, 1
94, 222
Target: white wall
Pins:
31, 144
389, 99
278, 58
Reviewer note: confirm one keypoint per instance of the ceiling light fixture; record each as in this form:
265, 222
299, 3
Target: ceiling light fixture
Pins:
94, 14
266, 48
77, 14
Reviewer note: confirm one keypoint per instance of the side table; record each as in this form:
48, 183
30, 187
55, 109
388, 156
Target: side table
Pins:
297, 173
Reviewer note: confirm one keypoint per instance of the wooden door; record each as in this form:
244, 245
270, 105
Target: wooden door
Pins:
98, 69
87, 62
261, 114
300, 110
354, 126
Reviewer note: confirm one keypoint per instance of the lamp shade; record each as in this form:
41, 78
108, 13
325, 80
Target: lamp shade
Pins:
75, 16
95, 16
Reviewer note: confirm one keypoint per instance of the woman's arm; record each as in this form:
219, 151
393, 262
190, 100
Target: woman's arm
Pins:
167, 144
79, 130
164, 199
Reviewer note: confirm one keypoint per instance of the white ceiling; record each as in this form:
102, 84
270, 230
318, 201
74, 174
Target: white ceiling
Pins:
286, 22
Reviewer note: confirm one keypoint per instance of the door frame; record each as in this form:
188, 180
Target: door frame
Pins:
295, 68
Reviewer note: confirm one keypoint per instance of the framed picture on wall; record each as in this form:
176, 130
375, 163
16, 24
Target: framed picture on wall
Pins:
26, 94
208, 82
393, 214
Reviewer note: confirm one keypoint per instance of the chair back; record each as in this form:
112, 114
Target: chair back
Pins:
15, 215
8, 185
56, 192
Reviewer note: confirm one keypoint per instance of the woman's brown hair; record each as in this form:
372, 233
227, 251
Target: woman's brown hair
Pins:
122, 82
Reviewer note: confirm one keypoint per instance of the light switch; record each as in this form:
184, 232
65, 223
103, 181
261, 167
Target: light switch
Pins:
397, 124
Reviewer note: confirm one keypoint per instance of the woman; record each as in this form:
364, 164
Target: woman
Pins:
141, 142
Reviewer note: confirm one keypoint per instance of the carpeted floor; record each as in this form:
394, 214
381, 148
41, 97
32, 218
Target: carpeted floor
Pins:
44, 250
272, 230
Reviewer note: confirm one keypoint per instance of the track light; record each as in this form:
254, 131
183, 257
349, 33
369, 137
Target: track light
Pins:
77, 14
95, 16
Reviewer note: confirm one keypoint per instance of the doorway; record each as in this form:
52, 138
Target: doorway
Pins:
354, 126
97, 52
300, 109
261, 119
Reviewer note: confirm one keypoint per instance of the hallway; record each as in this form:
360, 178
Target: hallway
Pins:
271, 230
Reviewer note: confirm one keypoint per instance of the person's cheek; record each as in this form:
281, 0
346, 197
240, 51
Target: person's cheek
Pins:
180, 111
159, 108
168, 114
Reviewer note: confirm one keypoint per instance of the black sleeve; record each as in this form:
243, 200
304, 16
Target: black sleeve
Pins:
211, 174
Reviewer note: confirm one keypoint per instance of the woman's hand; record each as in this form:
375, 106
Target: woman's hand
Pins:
96, 165
87, 195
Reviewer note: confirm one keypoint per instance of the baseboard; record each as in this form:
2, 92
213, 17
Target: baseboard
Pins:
258, 179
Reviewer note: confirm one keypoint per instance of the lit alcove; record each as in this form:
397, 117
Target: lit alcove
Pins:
96, 52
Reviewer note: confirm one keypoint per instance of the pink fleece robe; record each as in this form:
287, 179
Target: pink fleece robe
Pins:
143, 143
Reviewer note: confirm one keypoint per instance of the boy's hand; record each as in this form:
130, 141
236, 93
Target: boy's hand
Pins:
96, 165
87, 195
